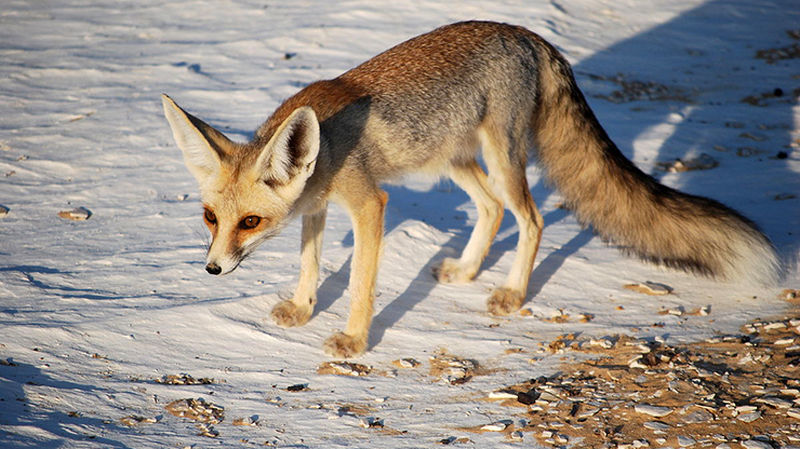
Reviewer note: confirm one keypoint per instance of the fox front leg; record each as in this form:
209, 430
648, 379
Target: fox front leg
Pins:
366, 211
298, 310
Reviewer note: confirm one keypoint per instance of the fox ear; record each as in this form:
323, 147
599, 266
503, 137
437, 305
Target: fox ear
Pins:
291, 153
200, 143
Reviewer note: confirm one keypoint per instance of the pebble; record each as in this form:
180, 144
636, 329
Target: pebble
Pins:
653, 410
650, 288
699, 416
656, 425
794, 413
406, 363
701, 162
77, 214
791, 392
244, 422
774, 326
497, 426
517, 436
684, 441
344, 369
3, 210
602, 342
784, 342
775, 402
749, 417
587, 412
746, 408
756, 444
503, 395
371, 423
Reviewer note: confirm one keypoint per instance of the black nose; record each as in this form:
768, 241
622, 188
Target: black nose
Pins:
213, 268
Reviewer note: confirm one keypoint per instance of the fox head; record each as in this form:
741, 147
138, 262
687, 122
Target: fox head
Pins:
248, 190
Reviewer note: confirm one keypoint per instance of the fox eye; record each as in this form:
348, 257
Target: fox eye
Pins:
250, 222
210, 217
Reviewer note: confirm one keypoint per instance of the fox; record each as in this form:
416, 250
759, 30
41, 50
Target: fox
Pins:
439, 104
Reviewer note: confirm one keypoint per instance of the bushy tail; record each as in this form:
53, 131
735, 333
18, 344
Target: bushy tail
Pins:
629, 207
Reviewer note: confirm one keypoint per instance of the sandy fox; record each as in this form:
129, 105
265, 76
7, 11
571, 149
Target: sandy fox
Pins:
433, 105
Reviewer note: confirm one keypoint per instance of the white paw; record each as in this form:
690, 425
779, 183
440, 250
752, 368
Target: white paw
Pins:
450, 271
504, 301
287, 314
343, 346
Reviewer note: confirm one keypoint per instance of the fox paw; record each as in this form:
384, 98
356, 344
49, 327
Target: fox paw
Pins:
504, 301
450, 271
287, 314
343, 346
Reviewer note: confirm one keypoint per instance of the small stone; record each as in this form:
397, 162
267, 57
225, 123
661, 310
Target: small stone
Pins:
699, 416
653, 410
3, 211
784, 342
497, 426
701, 162
77, 214
244, 422
684, 441
749, 417
774, 326
587, 412
371, 423
197, 410
650, 288
756, 444
602, 342
794, 413
746, 408
503, 395
344, 369
723, 446
134, 420
656, 425
406, 363
775, 402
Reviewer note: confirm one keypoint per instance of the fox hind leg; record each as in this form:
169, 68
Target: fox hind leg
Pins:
506, 161
471, 178
298, 310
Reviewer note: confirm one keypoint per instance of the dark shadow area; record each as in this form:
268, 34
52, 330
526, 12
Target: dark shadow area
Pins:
726, 104
62, 429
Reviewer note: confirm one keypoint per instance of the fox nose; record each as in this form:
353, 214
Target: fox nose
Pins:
213, 268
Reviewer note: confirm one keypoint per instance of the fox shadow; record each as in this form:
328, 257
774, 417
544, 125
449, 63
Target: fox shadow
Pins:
61, 429
720, 26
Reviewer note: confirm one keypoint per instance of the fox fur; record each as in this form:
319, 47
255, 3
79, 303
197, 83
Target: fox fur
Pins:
435, 104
